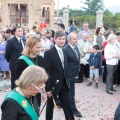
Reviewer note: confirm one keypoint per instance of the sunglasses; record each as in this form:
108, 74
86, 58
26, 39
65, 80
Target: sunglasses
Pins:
38, 88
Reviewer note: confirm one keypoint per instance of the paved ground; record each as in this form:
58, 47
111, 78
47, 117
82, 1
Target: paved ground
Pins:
94, 104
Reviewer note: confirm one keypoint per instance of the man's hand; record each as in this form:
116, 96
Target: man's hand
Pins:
49, 94
92, 67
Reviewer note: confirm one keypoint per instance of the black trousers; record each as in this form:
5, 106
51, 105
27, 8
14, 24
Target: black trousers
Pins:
72, 96
13, 78
104, 71
84, 70
117, 75
65, 101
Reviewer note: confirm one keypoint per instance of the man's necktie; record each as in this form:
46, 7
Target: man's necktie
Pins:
75, 51
21, 43
61, 57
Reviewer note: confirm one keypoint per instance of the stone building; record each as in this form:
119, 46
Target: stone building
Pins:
26, 12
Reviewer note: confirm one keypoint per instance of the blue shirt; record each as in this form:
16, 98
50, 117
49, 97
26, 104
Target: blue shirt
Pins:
81, 33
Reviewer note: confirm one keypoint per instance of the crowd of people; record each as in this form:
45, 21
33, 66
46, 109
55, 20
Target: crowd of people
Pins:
55, 60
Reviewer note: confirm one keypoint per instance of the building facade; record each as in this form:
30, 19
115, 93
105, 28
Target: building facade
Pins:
26, 12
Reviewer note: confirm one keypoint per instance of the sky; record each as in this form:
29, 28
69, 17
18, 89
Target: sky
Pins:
76, 4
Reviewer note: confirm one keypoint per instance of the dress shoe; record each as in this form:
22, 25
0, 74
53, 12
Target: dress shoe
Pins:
113, 89
78, 114
109, 92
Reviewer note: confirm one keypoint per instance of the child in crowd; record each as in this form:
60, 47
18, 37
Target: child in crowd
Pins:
94, 63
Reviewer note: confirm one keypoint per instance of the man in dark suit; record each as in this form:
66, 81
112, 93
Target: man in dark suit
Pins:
55, 65
73, 65
14, 49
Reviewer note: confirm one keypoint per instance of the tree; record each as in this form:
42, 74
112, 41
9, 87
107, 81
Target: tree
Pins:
93, 6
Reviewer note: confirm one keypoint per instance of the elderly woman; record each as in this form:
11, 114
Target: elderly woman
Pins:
21, 103
30, 57
111, 55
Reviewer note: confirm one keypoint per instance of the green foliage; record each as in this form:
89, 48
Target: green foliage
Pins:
93, 6
112, 21
88, 14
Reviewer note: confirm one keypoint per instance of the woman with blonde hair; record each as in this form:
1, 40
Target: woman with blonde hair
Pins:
22, 100
30, 57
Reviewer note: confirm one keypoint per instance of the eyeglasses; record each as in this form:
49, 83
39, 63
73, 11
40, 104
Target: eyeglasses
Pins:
38, 88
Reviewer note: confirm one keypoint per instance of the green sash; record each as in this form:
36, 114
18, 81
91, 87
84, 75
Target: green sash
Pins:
27, 60
23, 103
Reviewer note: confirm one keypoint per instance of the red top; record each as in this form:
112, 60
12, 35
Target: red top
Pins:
42, 25
103, 46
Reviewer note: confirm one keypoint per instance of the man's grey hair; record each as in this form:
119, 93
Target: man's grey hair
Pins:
59, 34
69, 37
85, 23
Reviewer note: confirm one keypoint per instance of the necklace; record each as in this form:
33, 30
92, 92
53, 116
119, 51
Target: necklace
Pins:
24, 93
35, 60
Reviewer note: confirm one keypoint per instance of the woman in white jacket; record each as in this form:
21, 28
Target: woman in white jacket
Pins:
111, 55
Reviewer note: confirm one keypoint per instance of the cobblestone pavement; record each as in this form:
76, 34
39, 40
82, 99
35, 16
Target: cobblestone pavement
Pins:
94, 104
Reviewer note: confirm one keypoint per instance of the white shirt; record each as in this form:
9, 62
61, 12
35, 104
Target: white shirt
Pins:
21, 41
71, 46
45, 44
58, 49
60, 53
33, 33
110, 51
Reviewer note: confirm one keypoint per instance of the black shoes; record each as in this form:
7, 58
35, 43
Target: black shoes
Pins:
89, 84
109, 92
96, 86
78, 114
113, 89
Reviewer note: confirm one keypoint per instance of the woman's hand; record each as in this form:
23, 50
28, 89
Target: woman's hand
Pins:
49, 94
43, 97
1, 52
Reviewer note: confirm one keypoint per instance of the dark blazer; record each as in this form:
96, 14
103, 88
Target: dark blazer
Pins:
73, 64
71, 21
97, 60
13, 52
53, 66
